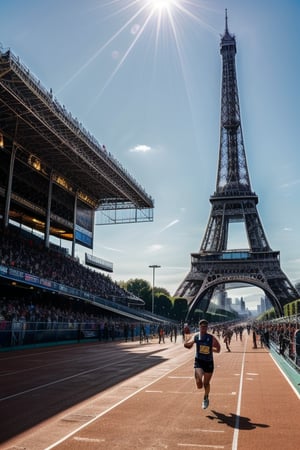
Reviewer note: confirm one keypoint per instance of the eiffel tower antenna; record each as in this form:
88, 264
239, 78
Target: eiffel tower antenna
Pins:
233, 201
226, 21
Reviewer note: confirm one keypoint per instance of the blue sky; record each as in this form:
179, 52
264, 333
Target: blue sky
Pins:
144, 79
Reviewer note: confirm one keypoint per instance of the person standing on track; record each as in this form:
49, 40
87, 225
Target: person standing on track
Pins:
206, 344
227, 335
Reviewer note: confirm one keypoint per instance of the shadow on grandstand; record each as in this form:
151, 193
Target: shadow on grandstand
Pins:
68, 376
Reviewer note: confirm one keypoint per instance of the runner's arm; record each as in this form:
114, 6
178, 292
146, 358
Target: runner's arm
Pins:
189, 342
216, 347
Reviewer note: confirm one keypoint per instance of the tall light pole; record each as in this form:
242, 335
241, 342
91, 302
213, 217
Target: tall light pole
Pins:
153, 267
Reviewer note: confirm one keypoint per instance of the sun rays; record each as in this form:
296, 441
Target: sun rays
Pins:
141, 18
162, 5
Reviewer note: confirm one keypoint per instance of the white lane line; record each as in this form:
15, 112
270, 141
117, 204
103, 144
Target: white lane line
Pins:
285, 376
199, 445
154, 392
67, 436
238, 410
208, 431
201, 430
82, 439
61, 380
181, 378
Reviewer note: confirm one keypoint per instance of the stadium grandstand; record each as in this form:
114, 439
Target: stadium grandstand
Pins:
56, 180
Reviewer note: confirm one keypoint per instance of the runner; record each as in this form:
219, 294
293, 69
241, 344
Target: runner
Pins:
206, 344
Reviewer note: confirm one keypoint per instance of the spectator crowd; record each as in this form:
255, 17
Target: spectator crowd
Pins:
27, 252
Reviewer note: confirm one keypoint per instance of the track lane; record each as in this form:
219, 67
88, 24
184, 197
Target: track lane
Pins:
157, 405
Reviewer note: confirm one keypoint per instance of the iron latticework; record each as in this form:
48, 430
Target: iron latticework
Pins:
233, 201
41, 143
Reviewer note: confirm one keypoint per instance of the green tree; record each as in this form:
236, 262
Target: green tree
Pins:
180, 309
142, 289
162, 305
160, 290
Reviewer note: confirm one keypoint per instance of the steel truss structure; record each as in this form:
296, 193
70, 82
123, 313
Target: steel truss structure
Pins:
233, 201
41, 144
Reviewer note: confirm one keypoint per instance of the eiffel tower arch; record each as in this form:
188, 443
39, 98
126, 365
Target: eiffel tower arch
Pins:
233, 201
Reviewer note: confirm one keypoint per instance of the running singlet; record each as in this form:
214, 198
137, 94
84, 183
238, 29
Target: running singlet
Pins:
204, 347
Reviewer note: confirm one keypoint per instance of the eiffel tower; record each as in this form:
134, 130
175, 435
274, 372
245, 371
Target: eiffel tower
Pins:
233, 201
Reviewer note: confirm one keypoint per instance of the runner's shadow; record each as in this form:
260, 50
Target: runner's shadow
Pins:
234, 421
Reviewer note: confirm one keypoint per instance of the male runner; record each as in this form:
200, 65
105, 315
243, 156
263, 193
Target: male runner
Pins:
206, 344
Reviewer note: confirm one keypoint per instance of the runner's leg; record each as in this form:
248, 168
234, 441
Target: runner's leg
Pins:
198, 377
206, 383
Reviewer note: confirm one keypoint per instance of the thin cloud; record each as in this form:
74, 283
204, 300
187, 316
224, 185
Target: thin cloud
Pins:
154, 248
171, 224
140, 148
290, 184
113, 249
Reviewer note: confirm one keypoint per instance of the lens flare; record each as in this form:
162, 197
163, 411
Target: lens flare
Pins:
161, 20
160, 5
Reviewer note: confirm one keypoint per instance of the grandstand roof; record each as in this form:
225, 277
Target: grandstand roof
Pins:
34, 122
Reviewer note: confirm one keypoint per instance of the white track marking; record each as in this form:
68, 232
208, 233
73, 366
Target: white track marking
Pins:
81, 439
199, 445
238, 409
61, 380
181, 378
208, 431
285, 376
109, 409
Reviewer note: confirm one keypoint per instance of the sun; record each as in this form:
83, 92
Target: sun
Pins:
160, 19
160, 5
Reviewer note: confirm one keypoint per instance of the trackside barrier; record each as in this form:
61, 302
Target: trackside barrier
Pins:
297, 347
18, 333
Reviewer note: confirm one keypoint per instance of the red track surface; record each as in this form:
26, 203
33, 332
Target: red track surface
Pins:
132, 396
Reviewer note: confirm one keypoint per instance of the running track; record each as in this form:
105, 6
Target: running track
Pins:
142, 396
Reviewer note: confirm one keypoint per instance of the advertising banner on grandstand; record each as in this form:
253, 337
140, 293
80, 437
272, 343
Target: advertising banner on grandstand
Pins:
84, 225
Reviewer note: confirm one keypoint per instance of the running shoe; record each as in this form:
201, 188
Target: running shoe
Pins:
205, 403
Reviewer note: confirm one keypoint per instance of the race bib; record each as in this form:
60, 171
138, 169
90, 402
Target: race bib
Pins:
204, 349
